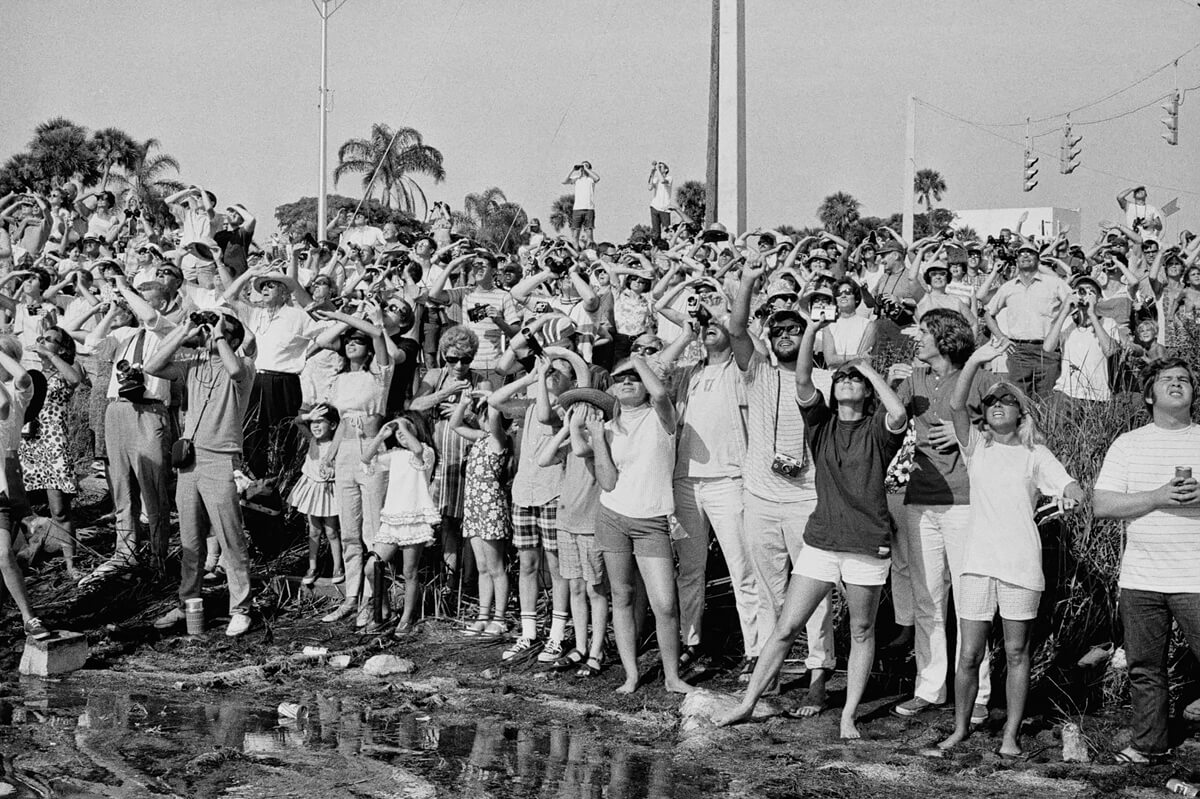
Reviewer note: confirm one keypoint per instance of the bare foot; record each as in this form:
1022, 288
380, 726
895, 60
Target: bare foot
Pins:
629, 686
678, 686
814, 700
849, 730
954, 740
1010, 749
738, 714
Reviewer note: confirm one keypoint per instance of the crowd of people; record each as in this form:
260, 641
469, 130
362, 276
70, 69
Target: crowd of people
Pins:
602, 411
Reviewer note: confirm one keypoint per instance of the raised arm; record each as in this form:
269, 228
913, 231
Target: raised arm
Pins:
741, 342
959, 413
804, 361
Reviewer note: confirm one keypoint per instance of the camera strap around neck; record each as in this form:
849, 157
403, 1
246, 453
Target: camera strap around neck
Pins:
775, 432
138, 344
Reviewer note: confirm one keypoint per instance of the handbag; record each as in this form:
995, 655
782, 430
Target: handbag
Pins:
183, 451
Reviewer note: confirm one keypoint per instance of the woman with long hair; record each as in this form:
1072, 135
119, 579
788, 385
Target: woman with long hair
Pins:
634, 457
1008, 466
848, 536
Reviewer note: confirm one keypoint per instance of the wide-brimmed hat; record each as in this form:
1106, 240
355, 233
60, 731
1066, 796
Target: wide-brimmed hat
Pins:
815, 294
819, 254
1091, 281
715, 232
594, 397
777, 288
936, 266
272, 277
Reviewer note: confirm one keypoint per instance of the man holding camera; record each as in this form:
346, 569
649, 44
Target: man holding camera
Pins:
137, 429
1140, 217
488, 311
660, 201
779, 493
583, 211
219, 382
362, 235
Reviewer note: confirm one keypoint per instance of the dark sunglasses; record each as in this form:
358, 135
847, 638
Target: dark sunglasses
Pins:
786, 330
170, 272
1003, 399
463, 359
627, 377
268, 284
855, 376
845, 293
644, 349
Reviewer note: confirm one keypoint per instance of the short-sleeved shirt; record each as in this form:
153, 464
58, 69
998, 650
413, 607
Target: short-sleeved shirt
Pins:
937, 478
127, 339
491, 339
776, 426
643, 450
585, 194
534, 484
851, 460
283, 335
1002, 538
1162, 547
579, 502
1031, 308
711, 402
216, 403
1084, 372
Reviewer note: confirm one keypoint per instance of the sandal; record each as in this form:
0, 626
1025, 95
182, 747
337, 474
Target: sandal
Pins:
591, 667
1132, 757
568, 660
494, 629
310, 577
107, 568
476, 628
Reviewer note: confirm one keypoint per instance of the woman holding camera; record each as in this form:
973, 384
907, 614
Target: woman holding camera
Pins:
847, 538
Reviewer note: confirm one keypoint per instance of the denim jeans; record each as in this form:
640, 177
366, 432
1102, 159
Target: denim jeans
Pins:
1146, 617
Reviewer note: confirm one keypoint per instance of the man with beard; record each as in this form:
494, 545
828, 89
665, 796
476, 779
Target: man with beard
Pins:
218, 381
779, 494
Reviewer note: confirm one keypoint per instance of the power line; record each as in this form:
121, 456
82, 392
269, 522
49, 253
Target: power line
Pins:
1021, 143
1105, 98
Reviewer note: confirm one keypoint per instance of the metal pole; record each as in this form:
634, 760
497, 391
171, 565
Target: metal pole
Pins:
714, 113
910, 170
322, 201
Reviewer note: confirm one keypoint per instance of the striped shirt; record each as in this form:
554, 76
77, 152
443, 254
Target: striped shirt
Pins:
1162, 548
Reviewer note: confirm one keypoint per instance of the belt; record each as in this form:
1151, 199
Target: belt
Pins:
1036, 341
140, 402
273, 373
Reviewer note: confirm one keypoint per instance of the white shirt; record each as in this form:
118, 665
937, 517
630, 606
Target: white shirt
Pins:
126, 338
1162, 548
1084, 373
365, 236
283, 334
661, 201
585, 190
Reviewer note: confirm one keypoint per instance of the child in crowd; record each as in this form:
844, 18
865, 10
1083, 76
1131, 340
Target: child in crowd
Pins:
408, 513
313, 495
486, 521
1009, 466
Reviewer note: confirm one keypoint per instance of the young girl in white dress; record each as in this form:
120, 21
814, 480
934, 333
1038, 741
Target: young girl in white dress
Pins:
313, 494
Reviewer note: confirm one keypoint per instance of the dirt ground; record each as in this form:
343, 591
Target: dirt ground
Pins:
152, 715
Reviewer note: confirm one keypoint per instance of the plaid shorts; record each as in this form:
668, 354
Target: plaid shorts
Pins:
535, 524
578, 558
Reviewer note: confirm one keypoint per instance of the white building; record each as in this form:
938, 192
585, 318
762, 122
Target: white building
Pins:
1040, 222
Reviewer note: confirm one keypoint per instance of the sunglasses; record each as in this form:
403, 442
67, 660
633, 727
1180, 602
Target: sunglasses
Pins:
266, 285
170, 272
360, 340
788, 298
845, 293
462, 359
855, 376
1003, 399
644, 349
627, 377
786, 330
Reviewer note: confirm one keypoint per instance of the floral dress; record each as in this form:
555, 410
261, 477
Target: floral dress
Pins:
46, 459
485, 507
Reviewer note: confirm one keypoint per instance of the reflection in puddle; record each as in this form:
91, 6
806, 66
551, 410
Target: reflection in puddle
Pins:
491, 757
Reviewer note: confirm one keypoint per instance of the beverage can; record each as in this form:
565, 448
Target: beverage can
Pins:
1183, 788
193, 612
1183, 472
293, 710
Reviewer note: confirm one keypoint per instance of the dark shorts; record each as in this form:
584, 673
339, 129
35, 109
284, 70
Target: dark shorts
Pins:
535, 524
645, 538
581, 219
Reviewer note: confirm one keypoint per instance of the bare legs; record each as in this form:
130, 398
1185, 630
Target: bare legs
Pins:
493, 579
327, 525
863, 602
659, 577
410, 563
966, 680
64, 527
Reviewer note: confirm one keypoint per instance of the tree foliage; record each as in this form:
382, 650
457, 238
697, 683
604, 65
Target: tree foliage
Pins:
838, 212
303, 213
391, 157
690, 196
492, 220
929, 186
560, 212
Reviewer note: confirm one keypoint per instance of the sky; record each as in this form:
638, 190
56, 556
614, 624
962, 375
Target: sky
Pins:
513, 92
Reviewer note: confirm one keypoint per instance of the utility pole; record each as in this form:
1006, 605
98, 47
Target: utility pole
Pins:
711, 176
325, 11
731, 117
910, 170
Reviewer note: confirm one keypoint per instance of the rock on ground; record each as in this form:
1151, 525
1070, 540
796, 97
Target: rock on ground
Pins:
701, 706
387, 665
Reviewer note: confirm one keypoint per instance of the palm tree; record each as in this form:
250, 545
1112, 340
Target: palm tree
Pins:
394, 154
560, 212
62, 150
929, 186
114, 147
145, 174
489, 218
838, 212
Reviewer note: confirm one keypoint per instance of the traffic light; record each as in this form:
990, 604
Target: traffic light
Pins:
1171, 120
1030, 170
1068, 159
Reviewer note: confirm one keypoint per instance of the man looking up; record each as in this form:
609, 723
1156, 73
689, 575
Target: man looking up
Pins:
583, 211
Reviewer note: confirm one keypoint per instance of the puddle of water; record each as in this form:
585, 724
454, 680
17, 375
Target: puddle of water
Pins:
491, 757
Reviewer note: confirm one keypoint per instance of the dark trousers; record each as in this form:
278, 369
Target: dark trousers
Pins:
658, 221
1033, 369
271, 442
1146, 617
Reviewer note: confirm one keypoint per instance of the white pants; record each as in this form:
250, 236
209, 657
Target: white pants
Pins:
936, 551
776, 534
714, 504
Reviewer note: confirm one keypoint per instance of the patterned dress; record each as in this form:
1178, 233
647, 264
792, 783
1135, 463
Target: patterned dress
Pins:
451, 456
485, 508
46, 460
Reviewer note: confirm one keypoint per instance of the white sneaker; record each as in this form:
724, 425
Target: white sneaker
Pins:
238, 624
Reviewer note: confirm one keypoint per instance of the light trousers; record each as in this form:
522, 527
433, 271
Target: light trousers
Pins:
208, 504
775, 531
360, 488
936, 550
704, 504
135, 438
902, 589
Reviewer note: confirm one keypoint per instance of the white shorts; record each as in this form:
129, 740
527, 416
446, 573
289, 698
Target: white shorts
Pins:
983, 596
845, 567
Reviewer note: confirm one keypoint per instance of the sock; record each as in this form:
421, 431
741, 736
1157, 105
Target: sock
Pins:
529, 625
558, 626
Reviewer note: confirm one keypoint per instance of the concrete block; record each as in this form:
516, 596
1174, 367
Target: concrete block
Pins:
64, 653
